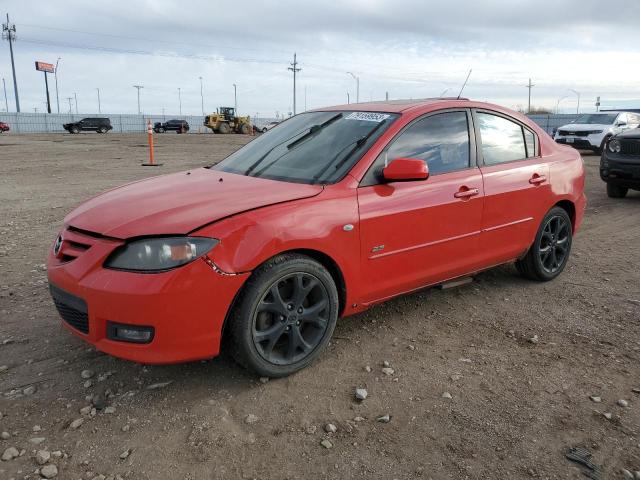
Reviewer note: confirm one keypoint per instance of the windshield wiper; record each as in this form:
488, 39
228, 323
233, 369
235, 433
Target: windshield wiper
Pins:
312, 131
358, 143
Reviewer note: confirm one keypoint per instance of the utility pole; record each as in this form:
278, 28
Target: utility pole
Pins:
6, 102
75, 97
201, 96
357, 79
99, 111
294, 68
179, 101
529, 86
235, 97
70, 98
9, 33
348, 99
55, 73
138, 87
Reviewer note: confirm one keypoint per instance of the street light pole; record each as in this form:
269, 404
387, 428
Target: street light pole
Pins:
6, 102
179, 101
578, 94
55, 73
558, 103
201, 96
235, 97
357, 79
75, 96
138, 87
99, 111
70, 98
9, 32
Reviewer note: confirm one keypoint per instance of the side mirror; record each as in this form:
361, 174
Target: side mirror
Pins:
405, 169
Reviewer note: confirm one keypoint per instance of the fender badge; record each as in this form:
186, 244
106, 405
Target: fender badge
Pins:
377, 248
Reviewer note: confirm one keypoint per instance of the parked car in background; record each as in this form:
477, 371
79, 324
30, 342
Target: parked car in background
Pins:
620, 163
4, 127
89, 124
178, 126
591, 131
268, 126
334, 211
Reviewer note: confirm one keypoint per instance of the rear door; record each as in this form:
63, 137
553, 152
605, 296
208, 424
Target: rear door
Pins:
421, 232
516, 186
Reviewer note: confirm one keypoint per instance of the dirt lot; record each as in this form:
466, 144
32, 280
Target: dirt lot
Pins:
516, 404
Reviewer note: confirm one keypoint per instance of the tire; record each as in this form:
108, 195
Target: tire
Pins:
275, 335
74, 130
551, 248
102, 130
161, 130
224, 128
599, 150
264, 129
616, 191
245, 129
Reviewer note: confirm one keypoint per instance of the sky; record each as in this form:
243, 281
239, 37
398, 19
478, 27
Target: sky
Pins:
406, 48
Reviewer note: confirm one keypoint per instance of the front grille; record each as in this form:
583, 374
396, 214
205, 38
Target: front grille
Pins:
75, 242
630, 147
565, 133
72, 309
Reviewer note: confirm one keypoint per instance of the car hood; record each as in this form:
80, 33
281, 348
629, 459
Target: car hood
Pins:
180, 203
634, 133
581, 127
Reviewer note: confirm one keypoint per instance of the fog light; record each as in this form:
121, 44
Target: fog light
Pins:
129, 333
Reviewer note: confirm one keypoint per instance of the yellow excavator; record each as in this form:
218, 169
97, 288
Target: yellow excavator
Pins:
226, 121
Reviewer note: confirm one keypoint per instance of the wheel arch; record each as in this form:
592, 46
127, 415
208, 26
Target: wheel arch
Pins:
569, 207
323, 259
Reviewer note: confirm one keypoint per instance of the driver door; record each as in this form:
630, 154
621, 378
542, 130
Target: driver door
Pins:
422, 232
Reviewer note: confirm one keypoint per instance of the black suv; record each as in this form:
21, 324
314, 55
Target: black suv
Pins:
100, 125
180, 126
620, 163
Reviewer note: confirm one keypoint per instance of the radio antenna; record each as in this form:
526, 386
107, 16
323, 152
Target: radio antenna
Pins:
465, 83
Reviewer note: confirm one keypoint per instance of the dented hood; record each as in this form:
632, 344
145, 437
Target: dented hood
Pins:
180, 203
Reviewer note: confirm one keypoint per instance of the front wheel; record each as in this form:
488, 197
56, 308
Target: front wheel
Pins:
550, 251
75, 130
284, 317
616, 191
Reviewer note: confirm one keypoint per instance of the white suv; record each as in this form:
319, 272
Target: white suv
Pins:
590, 131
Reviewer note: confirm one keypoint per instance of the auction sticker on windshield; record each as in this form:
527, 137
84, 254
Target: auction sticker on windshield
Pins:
367, 116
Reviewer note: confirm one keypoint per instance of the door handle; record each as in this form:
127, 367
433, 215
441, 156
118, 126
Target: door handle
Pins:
537, 179
466, 193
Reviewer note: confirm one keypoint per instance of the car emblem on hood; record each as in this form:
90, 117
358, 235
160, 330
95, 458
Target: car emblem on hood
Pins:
57, 246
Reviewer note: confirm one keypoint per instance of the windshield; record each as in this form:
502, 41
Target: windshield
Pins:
596, 118
314, 147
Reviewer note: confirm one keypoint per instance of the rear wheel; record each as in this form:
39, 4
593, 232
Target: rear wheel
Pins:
102, 130
616, 191
284, 316
224, 128
550, 251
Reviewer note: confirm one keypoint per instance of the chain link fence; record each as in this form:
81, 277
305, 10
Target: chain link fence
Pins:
132, 123
122, 123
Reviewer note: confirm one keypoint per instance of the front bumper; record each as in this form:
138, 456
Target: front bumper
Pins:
623, 170
580, 143
186, 307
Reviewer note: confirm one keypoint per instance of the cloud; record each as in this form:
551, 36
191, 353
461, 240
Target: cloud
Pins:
409, 48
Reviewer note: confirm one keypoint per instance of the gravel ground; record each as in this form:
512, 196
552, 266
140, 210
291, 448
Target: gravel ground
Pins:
491, 380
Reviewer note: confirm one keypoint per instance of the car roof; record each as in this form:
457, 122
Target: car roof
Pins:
394, 106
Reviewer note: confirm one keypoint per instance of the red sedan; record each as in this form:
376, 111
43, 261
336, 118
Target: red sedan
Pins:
328, 213
4, 127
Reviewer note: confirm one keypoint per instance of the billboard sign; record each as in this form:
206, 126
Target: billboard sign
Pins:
45, 67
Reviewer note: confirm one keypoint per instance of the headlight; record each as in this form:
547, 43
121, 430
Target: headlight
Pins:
159, 254
593, 132
614, 146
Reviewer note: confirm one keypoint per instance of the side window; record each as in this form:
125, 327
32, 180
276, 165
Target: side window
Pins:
622, 118
441, 140
530, 140
634, 118
502, 139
